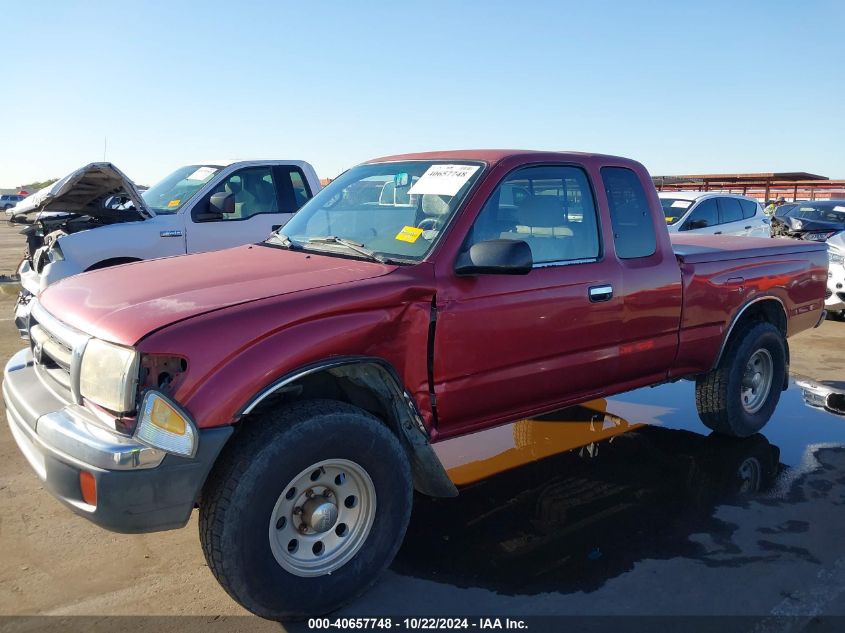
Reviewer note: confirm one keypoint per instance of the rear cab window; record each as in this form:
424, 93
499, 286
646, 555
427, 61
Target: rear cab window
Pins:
633, 227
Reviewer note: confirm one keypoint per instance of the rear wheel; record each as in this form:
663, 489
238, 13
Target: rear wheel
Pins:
740, 395
306, 509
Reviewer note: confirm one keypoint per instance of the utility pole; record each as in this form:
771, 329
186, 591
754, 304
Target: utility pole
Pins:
105, 146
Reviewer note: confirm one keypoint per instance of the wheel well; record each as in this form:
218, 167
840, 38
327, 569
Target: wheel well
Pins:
371, 386
768, 310
114, 261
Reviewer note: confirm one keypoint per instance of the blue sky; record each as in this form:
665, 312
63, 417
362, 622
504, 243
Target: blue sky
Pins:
697, 87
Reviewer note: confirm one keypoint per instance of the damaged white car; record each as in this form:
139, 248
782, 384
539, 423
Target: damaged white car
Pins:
96, 216
835, 297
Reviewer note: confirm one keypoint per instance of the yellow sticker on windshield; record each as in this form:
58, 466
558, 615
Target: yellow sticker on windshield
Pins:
409, 234
173, 203
669, 219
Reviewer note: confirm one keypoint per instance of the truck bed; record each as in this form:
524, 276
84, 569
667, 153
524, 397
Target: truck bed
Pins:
697, 249
721, 274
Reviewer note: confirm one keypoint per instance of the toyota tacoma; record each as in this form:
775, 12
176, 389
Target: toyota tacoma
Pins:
293, 389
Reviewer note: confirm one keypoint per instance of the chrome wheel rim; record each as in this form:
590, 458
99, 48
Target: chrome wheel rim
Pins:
757, 380
322, 517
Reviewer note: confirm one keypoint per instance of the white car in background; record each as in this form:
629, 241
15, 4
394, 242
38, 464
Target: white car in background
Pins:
96, 217
834, 301
714, 213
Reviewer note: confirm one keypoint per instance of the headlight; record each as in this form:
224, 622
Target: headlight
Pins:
109, 375
163, 424
55, 254
835, 257
797, 225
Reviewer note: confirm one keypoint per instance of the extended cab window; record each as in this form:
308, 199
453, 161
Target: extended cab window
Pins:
550, 207
704, 215
633, 228
254, 192
301, 193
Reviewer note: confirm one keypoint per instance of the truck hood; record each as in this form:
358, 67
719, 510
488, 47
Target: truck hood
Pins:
83, 192
125, 303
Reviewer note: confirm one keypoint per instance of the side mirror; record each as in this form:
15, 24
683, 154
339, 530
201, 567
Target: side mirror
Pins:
496, 257
222, 202
219, 204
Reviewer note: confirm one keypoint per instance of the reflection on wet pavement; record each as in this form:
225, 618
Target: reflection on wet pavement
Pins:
566, 502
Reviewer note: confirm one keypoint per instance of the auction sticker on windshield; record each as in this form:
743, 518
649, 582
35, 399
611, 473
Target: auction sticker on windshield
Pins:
683, 204
202, 173
443, 180
409, 234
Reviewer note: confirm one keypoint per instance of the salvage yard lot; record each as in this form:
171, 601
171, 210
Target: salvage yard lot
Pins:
53, 562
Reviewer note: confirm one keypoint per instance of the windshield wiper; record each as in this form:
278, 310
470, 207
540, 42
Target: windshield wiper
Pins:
283, 240
353, 246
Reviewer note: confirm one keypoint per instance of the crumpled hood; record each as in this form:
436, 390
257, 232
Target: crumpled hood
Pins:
84, 191
125, 303
802, 225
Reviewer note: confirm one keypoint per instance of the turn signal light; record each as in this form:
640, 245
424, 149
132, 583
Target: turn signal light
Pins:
164, 424
88, 487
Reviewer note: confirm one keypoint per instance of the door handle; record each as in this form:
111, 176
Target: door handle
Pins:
748, 227
717, 233
600, 293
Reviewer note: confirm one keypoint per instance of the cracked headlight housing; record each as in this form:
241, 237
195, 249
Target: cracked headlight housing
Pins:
108, 375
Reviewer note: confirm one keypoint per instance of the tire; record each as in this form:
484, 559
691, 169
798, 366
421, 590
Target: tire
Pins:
255, 477
724, 403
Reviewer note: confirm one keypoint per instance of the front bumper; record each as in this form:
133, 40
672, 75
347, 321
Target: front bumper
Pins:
139, 489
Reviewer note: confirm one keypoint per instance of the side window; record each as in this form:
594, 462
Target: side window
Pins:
729, 210
633, 227
749, 208
254, 191
550, 207
704, 215
301, 191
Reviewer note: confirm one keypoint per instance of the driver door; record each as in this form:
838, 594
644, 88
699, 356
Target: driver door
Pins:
265, 199
505, 343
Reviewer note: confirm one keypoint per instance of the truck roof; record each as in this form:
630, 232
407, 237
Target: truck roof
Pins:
493, 156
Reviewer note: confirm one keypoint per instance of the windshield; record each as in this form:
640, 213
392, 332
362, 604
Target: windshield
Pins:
382, 211
674, 209
830, 212
171, 193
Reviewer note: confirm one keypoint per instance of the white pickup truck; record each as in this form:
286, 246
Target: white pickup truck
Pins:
96, 216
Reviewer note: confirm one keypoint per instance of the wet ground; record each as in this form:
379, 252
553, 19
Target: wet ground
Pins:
626, 506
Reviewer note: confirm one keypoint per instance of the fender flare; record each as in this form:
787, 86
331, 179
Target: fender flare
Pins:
430, 477
738, 316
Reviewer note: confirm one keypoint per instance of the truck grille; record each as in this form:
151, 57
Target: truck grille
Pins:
57, 351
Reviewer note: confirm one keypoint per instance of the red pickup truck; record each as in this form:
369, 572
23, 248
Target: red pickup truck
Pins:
293, 389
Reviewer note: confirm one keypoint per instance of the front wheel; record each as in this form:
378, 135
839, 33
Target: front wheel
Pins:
740, 395
306, 509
